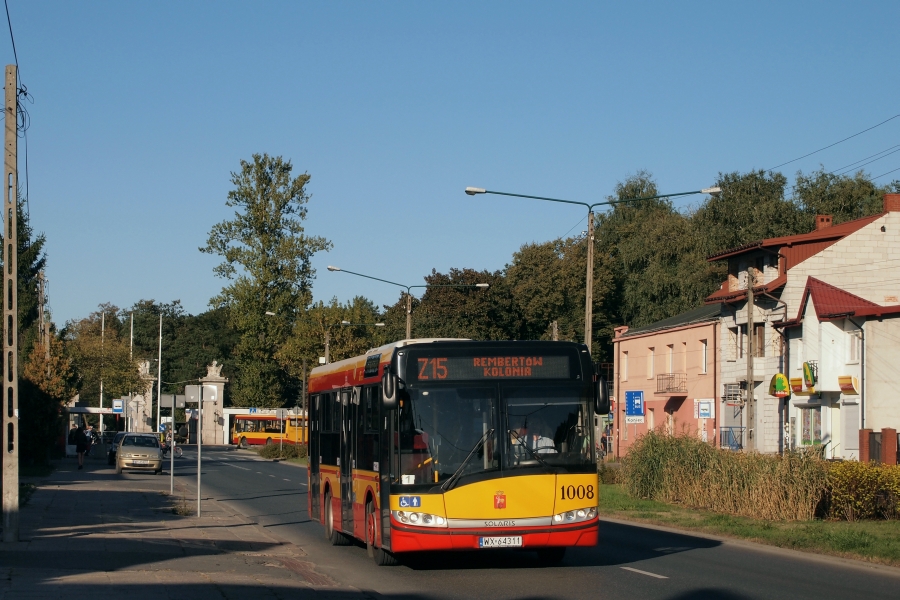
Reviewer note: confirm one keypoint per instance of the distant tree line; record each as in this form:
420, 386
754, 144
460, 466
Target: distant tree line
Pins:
650, 263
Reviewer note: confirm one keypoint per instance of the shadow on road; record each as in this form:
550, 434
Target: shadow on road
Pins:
619, 545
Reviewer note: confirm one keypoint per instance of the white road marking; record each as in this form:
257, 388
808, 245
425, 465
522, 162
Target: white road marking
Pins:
236, 467
644, 572
271, 476
287, 479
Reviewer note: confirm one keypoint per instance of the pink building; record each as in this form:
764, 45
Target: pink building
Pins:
665, 377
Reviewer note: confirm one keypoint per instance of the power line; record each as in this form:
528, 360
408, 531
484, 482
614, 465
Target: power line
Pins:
13, 39
831, 145
883, 174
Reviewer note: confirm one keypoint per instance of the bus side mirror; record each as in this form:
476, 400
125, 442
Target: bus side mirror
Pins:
389, 390
601, 396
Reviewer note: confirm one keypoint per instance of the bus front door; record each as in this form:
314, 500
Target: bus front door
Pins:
347, 434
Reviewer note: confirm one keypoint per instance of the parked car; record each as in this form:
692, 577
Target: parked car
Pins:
139, 452
113, 447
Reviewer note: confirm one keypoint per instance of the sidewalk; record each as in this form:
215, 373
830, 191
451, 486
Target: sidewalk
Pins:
93, 531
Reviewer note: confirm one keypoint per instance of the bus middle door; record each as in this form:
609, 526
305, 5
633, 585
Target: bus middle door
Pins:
346, 455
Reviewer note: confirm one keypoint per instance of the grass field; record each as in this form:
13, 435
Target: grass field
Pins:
874, 541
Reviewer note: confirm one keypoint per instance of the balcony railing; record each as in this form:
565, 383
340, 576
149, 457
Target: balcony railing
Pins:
731, 438
671, 383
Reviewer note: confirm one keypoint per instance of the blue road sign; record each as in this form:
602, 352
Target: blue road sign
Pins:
634, 406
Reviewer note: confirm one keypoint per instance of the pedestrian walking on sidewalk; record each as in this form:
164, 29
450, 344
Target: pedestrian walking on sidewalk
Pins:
81, 442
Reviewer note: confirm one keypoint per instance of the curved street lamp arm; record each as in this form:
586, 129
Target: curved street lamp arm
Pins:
377, 279
589, 206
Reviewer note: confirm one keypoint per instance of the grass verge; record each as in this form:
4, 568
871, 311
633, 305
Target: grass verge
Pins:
873, 541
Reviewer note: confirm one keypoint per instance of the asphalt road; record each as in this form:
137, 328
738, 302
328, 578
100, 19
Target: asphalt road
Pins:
629, 562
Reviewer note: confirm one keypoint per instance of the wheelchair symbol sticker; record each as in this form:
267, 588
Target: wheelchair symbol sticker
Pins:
410, 501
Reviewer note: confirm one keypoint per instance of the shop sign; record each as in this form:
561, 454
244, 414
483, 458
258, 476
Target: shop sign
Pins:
809, 375
779, 386
849, 385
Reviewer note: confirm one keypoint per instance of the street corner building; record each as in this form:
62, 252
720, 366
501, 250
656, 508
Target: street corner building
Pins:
811, 321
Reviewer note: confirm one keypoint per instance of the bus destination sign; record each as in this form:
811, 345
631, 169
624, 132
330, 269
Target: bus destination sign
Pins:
459, 368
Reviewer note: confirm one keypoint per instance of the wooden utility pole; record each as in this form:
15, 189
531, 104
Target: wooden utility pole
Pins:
751, 400
555, 331
10, 375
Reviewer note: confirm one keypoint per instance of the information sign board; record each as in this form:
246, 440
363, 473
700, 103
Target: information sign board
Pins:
634, 406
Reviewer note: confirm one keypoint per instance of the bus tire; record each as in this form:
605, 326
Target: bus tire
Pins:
331, 534
551, 556
382, 557
242, 443
268, 441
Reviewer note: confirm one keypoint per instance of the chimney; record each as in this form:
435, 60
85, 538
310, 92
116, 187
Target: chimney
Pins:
823, 222
892, 203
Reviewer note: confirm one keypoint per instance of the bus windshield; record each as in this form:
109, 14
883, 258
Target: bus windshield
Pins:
439, 427
547, 424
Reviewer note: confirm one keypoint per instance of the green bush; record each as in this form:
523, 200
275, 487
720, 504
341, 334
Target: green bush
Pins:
863, 491
283, 452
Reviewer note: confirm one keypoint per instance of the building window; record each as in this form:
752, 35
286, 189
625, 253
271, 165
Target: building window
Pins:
684, 358
811, 426
741, 340
671, 361
650, 358
759, 340
625, 365
704, 356
855, 340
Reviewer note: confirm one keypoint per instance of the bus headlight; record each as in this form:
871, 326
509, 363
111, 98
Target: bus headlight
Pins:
574, 516
419, 519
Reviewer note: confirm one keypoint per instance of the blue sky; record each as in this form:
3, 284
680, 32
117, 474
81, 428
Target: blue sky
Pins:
142, 109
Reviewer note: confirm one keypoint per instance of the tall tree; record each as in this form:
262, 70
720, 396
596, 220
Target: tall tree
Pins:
843, 197
459, 312
267, 258
547, 282
323, 321
99, 352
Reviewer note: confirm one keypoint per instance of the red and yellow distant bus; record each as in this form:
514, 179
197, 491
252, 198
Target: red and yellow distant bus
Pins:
250, 430
457, 445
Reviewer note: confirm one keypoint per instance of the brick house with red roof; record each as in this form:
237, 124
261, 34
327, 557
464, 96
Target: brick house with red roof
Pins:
826, 310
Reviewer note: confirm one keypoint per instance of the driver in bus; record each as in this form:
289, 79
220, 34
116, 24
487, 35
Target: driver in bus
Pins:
535, 438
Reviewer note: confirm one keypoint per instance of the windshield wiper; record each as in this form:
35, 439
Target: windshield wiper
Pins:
447, 485
525, 446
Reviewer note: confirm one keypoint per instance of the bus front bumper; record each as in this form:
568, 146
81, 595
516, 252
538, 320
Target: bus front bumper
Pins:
410, 539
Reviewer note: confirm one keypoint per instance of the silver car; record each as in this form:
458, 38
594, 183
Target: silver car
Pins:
139, 452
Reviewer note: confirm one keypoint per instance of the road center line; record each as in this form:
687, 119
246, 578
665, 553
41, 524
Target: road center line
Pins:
236, 467
644, 572
287, 479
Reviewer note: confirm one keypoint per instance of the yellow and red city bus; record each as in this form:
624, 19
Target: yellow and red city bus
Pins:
258, 429
457, 445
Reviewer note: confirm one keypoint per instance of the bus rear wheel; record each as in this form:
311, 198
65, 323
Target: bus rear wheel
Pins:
268, 441
382, 557
243, 443
331, 534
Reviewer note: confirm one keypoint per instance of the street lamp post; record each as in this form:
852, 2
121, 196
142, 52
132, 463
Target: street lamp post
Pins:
589, 284
409, 293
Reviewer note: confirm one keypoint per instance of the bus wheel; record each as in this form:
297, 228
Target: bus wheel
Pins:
551, 556
383, 558
268, 441
243, 443
331, 534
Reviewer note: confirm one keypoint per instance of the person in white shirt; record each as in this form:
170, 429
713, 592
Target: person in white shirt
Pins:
535, 438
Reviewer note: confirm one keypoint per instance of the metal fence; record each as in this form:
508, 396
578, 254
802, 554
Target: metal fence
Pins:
671, 383
731, 438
